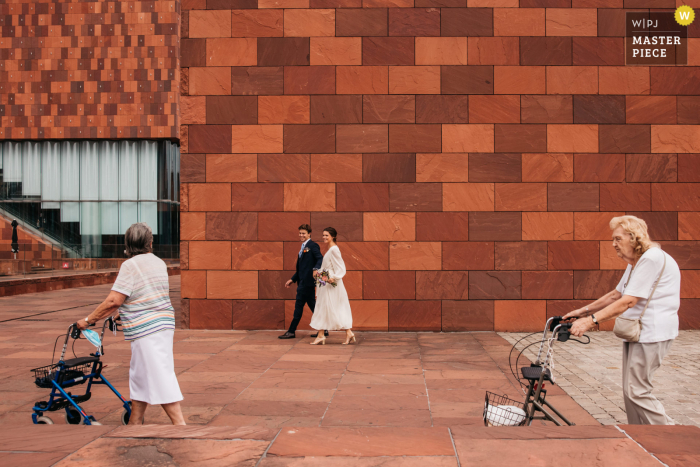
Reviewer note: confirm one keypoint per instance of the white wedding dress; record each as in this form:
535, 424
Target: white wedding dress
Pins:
332, 312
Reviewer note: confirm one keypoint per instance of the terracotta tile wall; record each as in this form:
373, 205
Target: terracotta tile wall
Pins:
89, 69
469, 152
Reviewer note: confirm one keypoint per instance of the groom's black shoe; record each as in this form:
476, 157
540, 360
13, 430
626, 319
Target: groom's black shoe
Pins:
325, 333
287, 335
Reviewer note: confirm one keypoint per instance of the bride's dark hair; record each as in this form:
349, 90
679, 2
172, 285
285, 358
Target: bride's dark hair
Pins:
332, 232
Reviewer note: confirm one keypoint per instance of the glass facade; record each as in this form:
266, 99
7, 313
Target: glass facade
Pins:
81, 196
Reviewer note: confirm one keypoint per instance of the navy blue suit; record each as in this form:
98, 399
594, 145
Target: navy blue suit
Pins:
310, 259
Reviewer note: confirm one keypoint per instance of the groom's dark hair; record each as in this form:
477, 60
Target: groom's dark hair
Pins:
306, 227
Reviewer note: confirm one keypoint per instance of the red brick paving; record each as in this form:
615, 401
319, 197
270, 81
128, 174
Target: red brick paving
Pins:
408, 399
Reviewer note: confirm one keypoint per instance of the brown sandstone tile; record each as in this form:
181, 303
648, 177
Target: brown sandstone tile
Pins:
493, 51
362, 80
414, 22
231, 110
689, 317
441, 109
238, 51
205, 81
283, 109
674, 138
594, 284
442, 285
496, 226
495, 167
193, 52
309, 80
192, 167
414, 80
210, 255
685, 253
688, 110
461, 22
309, 22
257, 196
625, 197
572, 22
545, 51
309, 197
599, 167
271, 287
283, 51
546, 109
210, 197
611, 22
336, 109
599, 109
520, 138
366, 256
441, 51
415, 196
467, 315
405, 315
602, 51
370, 315
257, 80
256, 256
257, 23
494, 285
209, 23
466, 80
336, 51
389, 109
651, 109
528, 315
688, 226
249, 139
573, 138
348, 224
336, 167
415, 255
511, 256
194, 284
548, 167
572, 80
573, 197
280, 226
548, 285
389, 168
468, 197
442, 226
671, 80
316, 139
211, 314
192, 225
494, 109
389, 226
573, 255
518, 22
361, 139
283, 168
519, 80
389, 285
548, 226
593, 225
361, 22
521, 197
651, 168
388, 51
459, 256
688, 167
662, 225
442, 167
624, 80
363, 197
669, 197
415, 138
258, 314
232, 226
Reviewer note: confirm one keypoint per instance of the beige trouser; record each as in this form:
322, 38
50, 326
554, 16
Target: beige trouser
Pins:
639, 362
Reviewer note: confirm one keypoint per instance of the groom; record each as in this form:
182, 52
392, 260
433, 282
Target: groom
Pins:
308, 260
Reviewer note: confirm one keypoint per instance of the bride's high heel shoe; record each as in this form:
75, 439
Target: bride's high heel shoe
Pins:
350, 339
319, 340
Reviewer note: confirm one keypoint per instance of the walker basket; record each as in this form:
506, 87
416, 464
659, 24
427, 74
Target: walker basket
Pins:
502, 411
45, 374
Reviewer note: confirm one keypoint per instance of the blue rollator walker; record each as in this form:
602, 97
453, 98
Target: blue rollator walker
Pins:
68, 373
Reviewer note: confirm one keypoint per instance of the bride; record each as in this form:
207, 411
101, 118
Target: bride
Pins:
332, 311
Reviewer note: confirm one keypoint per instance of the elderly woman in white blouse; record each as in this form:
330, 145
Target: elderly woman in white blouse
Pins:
646, 301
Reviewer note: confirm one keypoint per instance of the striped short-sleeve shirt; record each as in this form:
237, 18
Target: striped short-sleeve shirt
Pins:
147, 308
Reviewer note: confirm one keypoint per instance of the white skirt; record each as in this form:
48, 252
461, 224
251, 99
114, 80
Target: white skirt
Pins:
332, 312
152, 372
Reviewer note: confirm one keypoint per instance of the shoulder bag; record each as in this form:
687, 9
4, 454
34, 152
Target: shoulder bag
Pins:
630, 329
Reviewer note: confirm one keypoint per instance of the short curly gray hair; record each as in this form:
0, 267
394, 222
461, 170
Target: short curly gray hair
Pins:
138, 239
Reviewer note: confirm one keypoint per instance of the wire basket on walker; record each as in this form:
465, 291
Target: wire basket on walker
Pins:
70, 373
502, 411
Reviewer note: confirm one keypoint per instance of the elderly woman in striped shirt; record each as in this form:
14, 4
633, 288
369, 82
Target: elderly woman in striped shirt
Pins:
141, 294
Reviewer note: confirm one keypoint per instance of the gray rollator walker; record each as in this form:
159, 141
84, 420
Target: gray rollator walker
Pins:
503, 411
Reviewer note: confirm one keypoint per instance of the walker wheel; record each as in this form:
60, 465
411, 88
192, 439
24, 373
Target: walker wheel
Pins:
44, 421
92, 421
73, 416
126, 415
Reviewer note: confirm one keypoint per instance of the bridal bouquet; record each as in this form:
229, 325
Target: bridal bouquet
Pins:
322, 279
